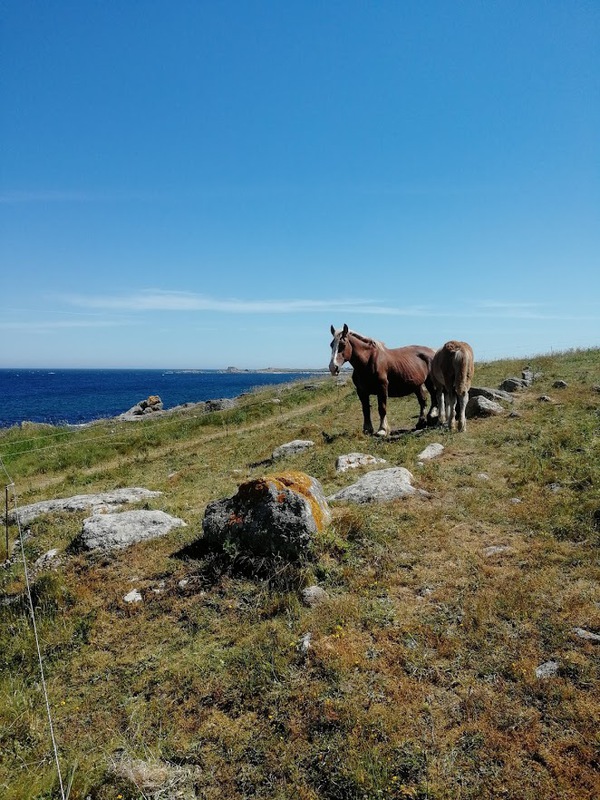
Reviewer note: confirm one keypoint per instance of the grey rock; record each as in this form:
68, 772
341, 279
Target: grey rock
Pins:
513, 385
379, 485
313, 595
495, 550
291, 448
48, 560
491, 394
582, 633
528, 376
547, 670
560, 385
81, 502
304, 643
117, 531
432, 450
275, 514
133, 596
480, 406
355, 460
544, 398
222, 404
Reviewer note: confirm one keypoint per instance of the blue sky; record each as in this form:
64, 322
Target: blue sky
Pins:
206, 184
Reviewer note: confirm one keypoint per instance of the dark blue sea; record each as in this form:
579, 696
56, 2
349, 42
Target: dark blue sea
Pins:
77, 396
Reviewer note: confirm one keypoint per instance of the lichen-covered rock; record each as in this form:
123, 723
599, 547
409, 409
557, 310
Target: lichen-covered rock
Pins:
277, 514
116, 531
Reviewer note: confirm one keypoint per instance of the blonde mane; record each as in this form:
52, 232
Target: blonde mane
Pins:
368, 340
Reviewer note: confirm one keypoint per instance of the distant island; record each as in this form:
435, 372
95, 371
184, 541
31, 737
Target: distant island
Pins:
237, 370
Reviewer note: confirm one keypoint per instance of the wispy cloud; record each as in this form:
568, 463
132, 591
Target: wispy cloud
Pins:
158, 300
37, 325
182, 301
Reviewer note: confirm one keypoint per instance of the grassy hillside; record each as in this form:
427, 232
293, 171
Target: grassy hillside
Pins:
420, 679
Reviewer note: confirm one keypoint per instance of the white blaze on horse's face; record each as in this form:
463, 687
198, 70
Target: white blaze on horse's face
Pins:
338, 345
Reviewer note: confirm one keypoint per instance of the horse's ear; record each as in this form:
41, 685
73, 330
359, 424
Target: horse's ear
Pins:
345, 331
332, 331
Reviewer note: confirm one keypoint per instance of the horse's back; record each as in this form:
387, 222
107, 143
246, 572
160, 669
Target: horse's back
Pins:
453, 365
408, 368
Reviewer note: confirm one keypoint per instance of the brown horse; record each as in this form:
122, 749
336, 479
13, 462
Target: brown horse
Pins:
452, 372
383, 372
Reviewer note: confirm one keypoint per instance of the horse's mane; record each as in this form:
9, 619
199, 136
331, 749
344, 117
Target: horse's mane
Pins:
368, 340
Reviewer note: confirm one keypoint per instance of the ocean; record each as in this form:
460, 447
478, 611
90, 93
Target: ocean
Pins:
77, 396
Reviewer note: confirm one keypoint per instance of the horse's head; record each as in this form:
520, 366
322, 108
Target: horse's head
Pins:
341, 349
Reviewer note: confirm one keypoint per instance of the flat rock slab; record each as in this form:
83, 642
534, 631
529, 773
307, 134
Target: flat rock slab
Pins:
291, 448
355, 460
379, 485
117, 531
480, 406
81, 502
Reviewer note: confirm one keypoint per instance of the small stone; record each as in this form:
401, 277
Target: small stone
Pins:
515, 501
313, 595
587, 635
431, 451
547, 670
133, 597
496, 549
291, 448
544, 399
483, 476
304, 644
355, 460
560, 385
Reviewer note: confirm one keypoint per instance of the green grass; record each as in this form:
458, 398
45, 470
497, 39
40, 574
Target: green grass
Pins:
420, 677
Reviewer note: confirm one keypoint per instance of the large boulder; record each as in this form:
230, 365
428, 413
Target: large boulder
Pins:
482, 407
277, 514
117, 531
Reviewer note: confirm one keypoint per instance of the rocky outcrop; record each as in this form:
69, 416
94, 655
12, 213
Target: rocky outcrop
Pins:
81, 502
117, 531
151, 405
277, 514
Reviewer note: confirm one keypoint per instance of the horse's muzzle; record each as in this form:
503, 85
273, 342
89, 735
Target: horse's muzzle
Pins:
334, 369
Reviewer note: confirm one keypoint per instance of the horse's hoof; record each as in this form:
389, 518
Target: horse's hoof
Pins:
381, 433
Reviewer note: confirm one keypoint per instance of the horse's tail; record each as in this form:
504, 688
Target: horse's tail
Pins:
463, 369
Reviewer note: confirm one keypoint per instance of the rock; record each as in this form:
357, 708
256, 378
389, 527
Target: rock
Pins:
117, 531
560, 385
304, 644
222, 404
277, 514
431, 451
513, 385
380, 485
480, 406
151, 405
483, 476
133, 597
545, 399
527, 375
491, 394
48, 560
547, 670
81, 502
495, 550
291, 448
313, 595
587, 635
355, 460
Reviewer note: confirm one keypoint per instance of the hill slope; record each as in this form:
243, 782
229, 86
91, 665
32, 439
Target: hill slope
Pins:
421, 678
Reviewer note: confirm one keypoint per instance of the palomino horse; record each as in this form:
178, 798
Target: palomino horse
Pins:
383, 372
452, 372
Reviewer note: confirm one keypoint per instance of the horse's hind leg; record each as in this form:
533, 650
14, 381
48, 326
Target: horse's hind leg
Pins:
433, 415
450, 408
441, 395
461, 406
422, 398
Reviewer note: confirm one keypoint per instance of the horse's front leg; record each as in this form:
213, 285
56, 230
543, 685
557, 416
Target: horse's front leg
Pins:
366, 409
382, 396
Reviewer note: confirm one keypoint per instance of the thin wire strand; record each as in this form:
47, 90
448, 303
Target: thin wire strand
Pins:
11, 485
